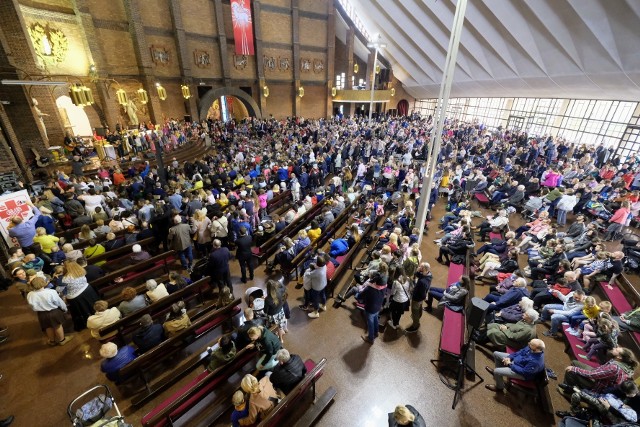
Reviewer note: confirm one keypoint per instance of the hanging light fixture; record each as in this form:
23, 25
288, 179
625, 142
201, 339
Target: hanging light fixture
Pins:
122, 97
162, 93
77, 96
300, 91
88, 95
356, 67
334, 91
377, 69
186, 92
265, 91
393, 91
143, 96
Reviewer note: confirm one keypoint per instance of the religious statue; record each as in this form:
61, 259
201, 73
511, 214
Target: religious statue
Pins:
131, 112
40, 115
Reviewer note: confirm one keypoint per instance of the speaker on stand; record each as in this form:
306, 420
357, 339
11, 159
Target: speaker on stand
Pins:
475, 314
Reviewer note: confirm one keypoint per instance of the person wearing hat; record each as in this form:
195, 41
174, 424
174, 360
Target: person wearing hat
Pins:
115, 359
148, 335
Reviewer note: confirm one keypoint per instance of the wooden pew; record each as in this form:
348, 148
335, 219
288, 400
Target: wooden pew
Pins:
278, 201
73, 231
280, 415
147, 269
99, 239
171, 346
188, 396
346, 261
328, 233
157, 309
116, 256
267, 249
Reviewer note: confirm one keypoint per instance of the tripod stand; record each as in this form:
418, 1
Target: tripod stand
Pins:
462, 367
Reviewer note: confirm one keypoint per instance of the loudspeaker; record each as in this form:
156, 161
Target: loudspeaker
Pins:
476, 312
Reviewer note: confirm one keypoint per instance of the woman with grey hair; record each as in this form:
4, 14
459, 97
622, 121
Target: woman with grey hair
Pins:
156, 291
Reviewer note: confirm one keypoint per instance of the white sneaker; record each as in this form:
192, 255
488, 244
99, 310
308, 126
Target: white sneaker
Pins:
574, 332
314, 315
390, 323
323, 307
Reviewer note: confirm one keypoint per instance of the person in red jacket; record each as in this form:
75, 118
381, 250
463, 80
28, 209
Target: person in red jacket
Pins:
617, 221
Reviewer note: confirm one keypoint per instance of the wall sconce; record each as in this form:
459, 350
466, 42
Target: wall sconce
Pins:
300, 91
88, 95
162, 93
122, 97
186, 92
393, 91
265, 91
334, 91
377, 69
356, 67
76, 93
143, 96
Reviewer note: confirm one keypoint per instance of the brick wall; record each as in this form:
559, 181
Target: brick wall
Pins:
279, 101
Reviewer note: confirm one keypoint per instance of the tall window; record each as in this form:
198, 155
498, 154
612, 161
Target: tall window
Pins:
583, 121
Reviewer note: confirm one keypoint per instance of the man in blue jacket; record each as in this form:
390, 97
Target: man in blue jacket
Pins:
524, 364
338, 247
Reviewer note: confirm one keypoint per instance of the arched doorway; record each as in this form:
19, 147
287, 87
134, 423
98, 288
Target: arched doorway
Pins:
249, 104
74, 118
403, 107
227, 108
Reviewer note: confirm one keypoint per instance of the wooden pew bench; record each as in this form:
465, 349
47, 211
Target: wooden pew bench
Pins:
148, 269
280, 415
141, 366
158, 309
269, 247
117, 256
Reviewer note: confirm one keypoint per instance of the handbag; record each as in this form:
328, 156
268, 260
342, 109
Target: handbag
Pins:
407, 303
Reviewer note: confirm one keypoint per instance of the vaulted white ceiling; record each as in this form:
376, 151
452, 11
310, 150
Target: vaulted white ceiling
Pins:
525, 48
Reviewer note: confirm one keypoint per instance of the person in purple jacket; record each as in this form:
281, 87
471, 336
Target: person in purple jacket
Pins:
115, 359
24, 231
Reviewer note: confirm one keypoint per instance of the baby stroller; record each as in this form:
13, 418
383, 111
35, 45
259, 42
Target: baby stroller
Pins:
98, 402
533, 206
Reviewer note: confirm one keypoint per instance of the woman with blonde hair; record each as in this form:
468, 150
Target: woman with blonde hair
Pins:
261, 397
47, 241
50, 309
268, 343
80, 295
406, 416
201, 226
86, 233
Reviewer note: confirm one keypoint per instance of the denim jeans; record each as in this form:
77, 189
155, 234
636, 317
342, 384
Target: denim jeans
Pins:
501, 370
317, 298
562, 217
372, 325
186, 257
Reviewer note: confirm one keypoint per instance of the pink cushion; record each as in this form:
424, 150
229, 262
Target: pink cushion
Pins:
481, 197
455, 271
523, 383
452, 334
493, 235
573, 341
340, 258
617, 298
255, 250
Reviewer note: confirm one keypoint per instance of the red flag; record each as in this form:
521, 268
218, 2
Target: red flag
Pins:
242, 26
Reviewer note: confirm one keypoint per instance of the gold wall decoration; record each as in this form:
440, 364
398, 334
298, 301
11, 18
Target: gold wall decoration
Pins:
265, 91
318, 65
162, 92
356, 68
300, 91
186, 92
305, 65
269, 63
142, 96
50, 44
240, 61
377, 69
160, 55
284, 63
202, 58
334, 91
393, 91
122, 97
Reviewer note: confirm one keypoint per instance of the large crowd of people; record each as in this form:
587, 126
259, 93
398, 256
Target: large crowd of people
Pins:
216, 206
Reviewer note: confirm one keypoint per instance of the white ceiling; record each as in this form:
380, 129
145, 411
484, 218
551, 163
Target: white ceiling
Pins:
526, 48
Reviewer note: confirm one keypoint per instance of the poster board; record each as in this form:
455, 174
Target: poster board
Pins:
13, 204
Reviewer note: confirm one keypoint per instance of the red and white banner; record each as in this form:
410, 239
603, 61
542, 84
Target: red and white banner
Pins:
242, 26
13, 204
